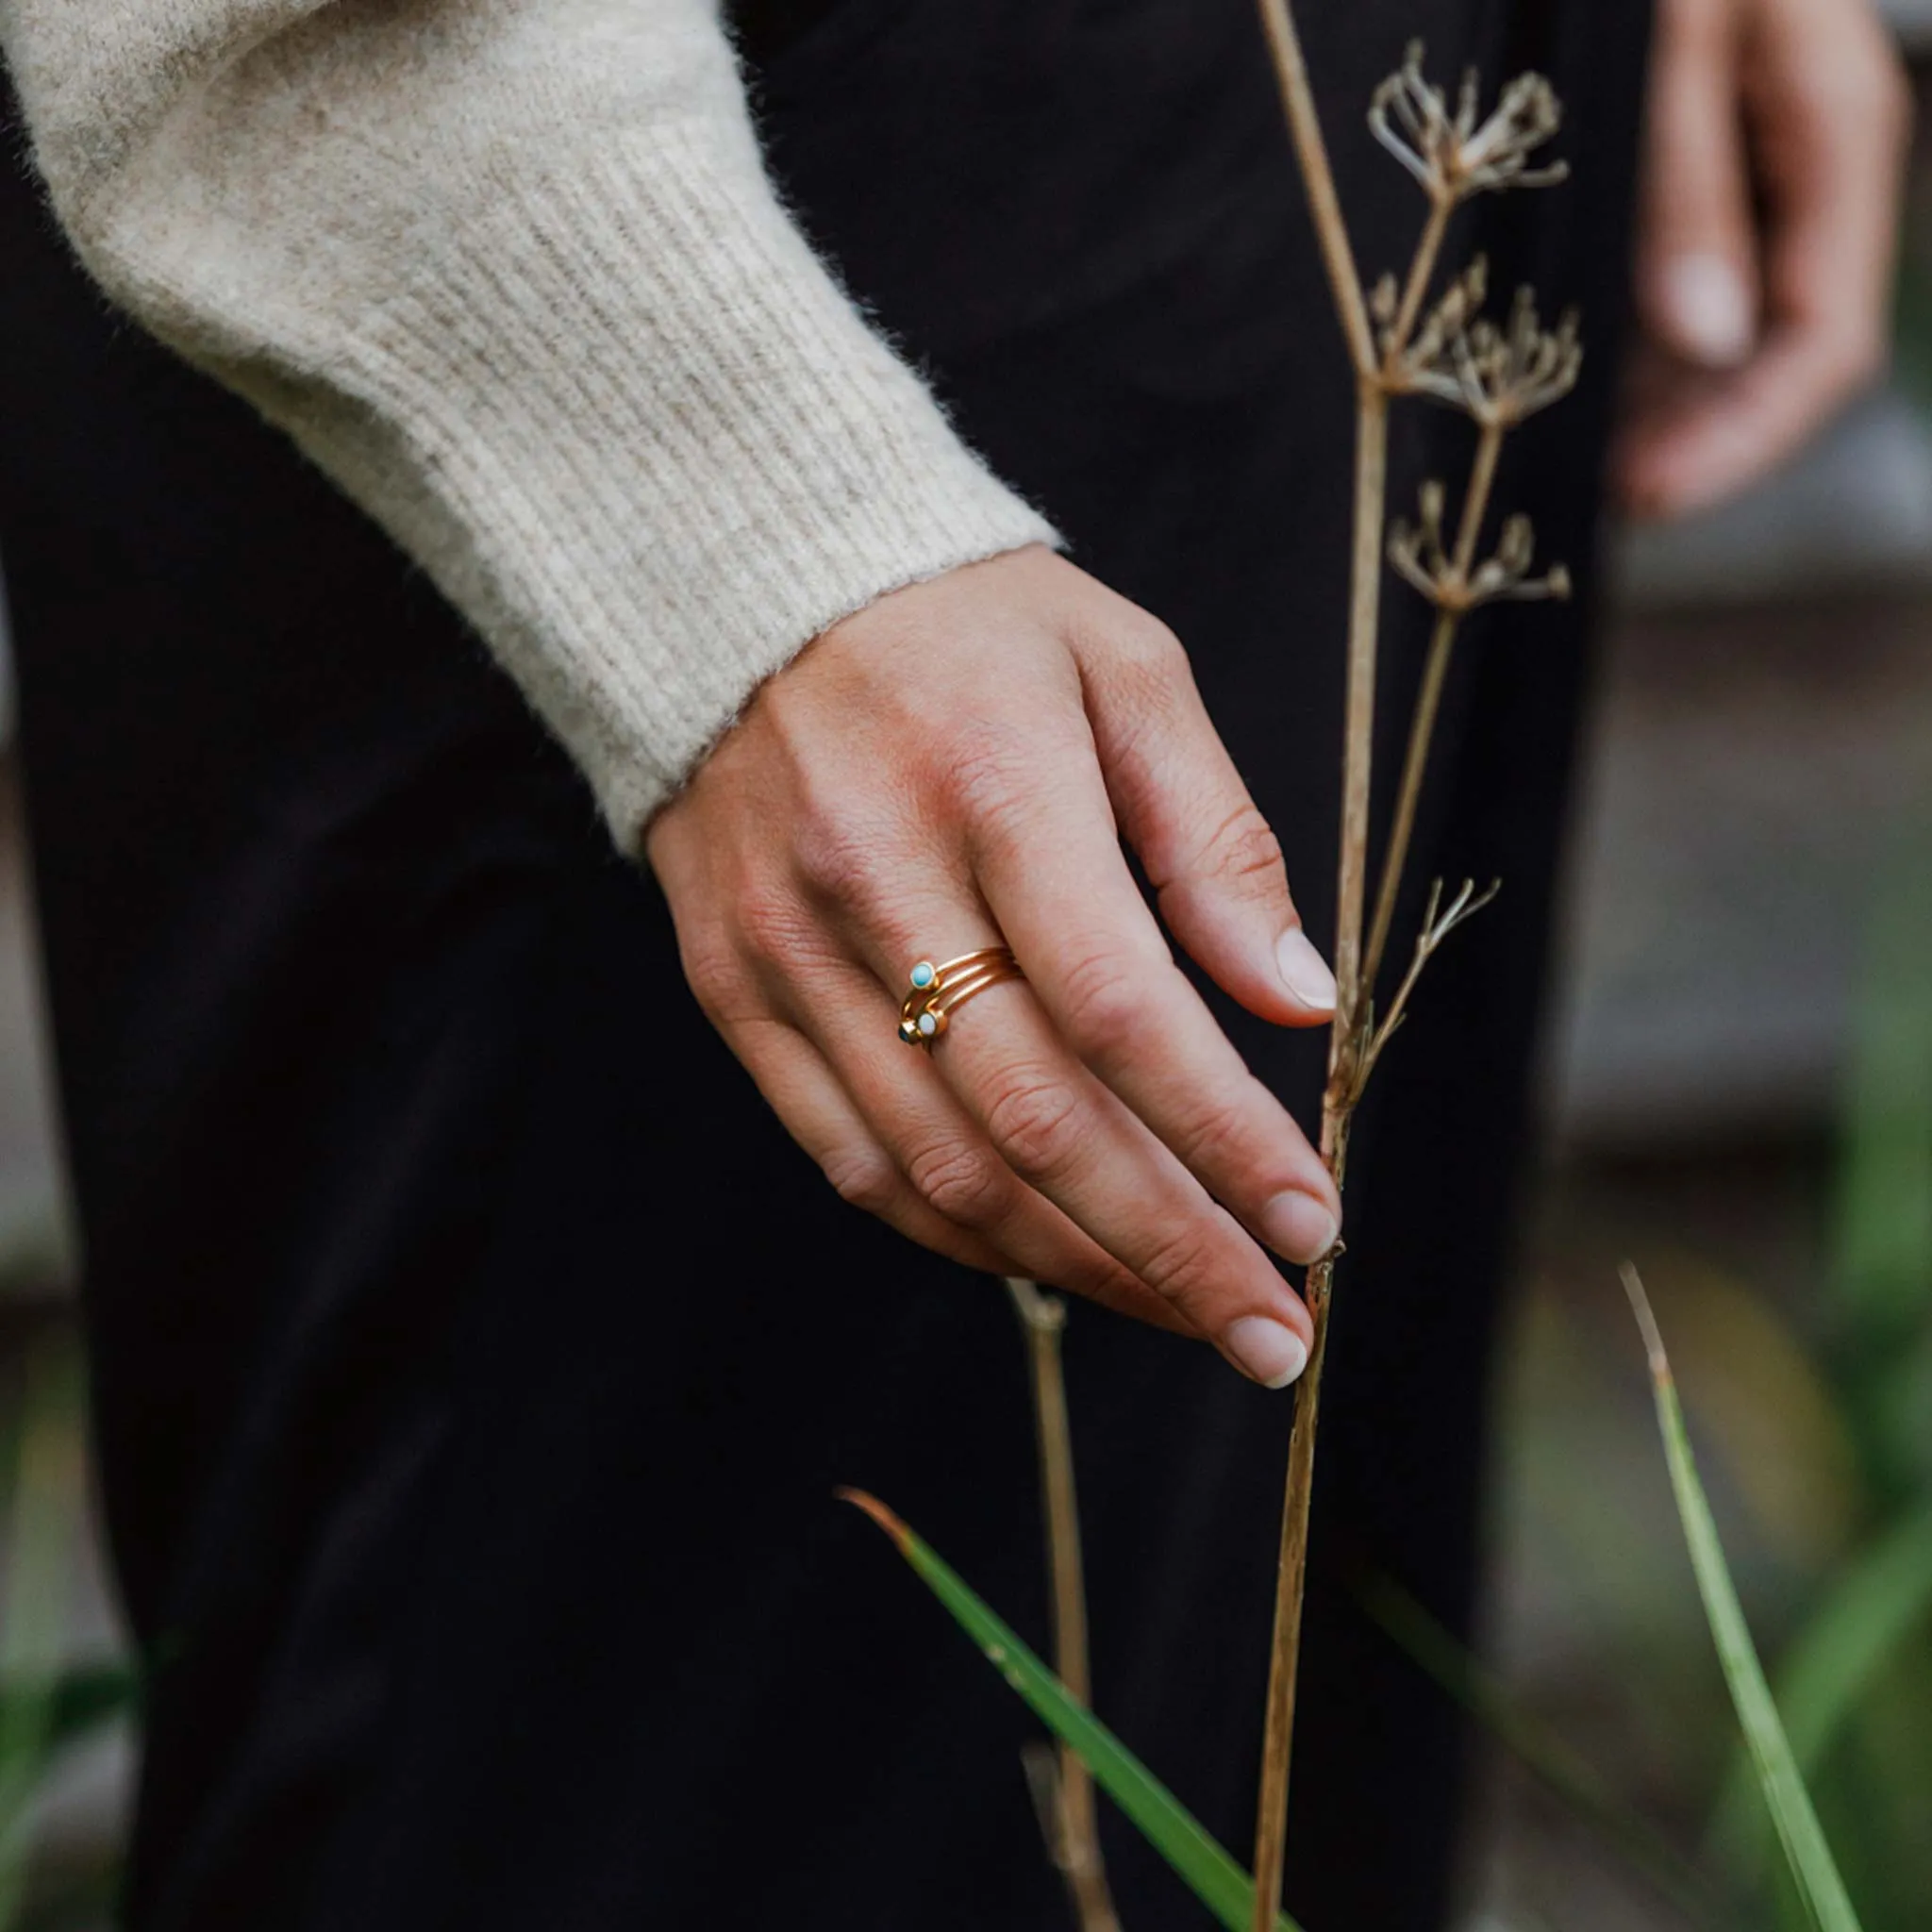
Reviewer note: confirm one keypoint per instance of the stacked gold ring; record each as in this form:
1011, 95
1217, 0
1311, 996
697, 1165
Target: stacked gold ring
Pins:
938, 989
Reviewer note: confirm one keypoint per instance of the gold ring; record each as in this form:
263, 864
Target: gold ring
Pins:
937, 989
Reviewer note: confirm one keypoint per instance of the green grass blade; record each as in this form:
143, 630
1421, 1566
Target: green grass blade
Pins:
1220, 1885
1542, 1752
1833, 1663
1810, 1858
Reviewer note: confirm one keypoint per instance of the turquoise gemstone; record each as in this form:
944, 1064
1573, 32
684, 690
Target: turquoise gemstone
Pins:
923, 975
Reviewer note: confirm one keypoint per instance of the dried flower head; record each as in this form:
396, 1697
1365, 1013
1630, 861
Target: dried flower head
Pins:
1455, 156
1500, 375
1454, 314
1421, 557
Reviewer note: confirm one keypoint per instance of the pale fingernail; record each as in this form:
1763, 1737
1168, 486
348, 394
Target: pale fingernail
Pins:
1710, 306
1264, 1349
1298, 1227
1305, 972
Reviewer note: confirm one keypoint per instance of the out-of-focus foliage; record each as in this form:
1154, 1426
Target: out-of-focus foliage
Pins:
45, 1705
1810, 1394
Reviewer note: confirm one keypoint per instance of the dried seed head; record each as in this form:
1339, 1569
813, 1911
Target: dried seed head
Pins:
1453, 156
1383, 300
1420, 556
1499, 375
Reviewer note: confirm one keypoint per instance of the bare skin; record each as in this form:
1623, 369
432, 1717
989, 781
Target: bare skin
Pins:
959, 765
1770, 205
955, 766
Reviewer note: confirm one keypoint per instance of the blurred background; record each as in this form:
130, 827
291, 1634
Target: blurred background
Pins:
1740, 1097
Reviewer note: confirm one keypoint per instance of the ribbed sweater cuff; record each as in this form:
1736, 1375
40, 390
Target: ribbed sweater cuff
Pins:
658, 450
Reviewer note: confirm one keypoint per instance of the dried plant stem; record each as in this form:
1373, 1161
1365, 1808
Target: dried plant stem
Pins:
1428, 704
1497, 376
1318, 177
1364, 625
1074, 1840
1377, 378
1421, 272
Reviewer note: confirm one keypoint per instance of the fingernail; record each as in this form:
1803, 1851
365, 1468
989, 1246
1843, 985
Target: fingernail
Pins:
1298, 1227
1266, 1350
1305, 971
1711, 308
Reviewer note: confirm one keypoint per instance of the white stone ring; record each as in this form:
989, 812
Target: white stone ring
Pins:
937, 989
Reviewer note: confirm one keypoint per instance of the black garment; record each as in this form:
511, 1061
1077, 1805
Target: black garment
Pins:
474, 1356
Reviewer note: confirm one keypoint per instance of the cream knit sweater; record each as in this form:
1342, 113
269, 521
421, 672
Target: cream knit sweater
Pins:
510, 272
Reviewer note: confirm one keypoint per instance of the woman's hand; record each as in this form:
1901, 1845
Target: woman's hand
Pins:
1769, 218
952, 768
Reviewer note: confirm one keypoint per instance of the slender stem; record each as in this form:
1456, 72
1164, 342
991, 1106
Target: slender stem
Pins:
1358, 721
1305, 125
1044, 1318
1277, 1744
1292, 1566
1421, 272
1475, 504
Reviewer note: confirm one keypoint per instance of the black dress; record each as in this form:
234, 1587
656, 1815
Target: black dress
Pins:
474, 1356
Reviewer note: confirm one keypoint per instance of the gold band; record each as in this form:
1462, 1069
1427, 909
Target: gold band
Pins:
937, 989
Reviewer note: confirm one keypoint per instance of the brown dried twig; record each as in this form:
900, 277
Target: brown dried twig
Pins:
1400, 344
1062, 1788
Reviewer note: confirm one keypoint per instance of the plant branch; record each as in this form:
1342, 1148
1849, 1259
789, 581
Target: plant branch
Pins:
1497, 376
1428, 704
1074, 1842
1305, 125
1420, 273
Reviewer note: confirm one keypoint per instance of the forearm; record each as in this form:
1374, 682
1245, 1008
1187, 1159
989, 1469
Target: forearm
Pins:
511, 272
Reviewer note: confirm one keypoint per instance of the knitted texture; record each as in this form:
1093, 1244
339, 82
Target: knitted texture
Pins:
511, 272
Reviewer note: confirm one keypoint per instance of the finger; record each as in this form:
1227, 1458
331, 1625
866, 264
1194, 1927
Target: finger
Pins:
1708, 447
1213, 861
1697, 282
1828, 118
944, 1158
809, 1097
1832, 118
1061, 1131
1050, 866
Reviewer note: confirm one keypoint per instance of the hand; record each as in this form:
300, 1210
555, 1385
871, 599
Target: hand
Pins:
1770, 213
952, 768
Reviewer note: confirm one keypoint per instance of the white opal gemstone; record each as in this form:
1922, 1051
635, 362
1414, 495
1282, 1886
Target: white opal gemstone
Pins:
929, 1025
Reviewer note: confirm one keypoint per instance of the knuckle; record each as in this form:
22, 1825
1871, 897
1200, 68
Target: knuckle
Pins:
1246, 852
959, 1181
1215, 1142
994, 775
840, 860
774, 924
1186, 1265
1036, 1122
862, 1176
712, 972
1143, 639
1104, 1005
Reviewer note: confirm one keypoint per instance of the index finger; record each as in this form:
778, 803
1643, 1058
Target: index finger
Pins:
1049, 864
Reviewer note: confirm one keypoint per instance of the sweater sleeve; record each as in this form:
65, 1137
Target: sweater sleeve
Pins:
511, 272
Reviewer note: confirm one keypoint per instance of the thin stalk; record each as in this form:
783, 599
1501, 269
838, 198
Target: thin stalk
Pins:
1077, 1852
1305, 125
1277, 1742
1284, 1660
1421, 272
1358, 721
1428, 704
1371, 505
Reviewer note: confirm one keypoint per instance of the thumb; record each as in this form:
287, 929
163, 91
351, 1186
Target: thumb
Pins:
1697, 274
1208, 853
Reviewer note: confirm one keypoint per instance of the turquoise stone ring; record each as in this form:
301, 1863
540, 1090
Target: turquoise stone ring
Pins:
937, 989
